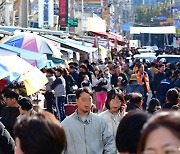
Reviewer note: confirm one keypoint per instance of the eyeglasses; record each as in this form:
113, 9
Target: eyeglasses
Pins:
166, 150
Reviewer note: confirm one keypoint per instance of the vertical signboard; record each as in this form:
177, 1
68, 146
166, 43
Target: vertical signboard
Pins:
46, 13
63, 12
51, 13
40, 15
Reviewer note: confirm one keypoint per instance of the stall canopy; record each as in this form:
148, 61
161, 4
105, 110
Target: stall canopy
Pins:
111, 36
65, 49
54, 62
34, 58
153, 30
86, 47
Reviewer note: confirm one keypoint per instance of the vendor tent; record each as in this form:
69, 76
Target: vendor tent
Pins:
77, 45
111, 36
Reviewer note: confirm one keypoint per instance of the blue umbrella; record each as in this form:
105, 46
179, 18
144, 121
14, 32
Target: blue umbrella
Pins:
11, 76
4, 71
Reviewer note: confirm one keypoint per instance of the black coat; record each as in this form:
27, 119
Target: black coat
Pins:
158, 77
9, 116
69, 83
114, 79
7, 143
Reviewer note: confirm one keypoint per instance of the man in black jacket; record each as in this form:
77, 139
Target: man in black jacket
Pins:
135, 102
118, 73
10, 112
172, 97
158, 77
83, 71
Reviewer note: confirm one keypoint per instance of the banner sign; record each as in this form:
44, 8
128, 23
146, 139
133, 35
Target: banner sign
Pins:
63, 12
46, 13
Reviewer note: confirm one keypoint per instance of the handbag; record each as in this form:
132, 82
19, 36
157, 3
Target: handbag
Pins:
73, 88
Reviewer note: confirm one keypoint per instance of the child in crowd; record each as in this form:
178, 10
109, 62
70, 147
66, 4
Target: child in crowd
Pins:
86, 82
119, 85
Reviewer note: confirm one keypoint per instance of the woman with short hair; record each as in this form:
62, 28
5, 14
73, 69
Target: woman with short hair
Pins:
161, 134
39, 133
116, 109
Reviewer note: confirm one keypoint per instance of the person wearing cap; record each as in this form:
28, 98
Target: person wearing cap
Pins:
134, 86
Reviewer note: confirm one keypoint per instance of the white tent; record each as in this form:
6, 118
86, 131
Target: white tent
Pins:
153, 30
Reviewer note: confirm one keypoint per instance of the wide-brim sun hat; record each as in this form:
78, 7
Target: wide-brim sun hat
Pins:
133, 77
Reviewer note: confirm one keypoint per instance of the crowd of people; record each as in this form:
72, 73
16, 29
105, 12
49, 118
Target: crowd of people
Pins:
151, 80
120, 108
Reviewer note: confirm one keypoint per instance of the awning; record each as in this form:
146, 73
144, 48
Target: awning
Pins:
40, 59
57, 44
73, 44
5, 32
53, 62
12, 29
153, 30
111, 36
65, 49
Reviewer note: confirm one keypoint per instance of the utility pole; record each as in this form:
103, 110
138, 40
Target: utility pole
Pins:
149, 21
72, 13
24, 13
82, 16
117, 14
7, 13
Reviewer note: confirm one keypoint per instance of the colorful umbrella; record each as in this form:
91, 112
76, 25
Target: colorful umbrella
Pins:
16, 69
29, 41
34, 58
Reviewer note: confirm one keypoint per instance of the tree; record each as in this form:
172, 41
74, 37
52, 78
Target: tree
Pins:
162, 9
144, 13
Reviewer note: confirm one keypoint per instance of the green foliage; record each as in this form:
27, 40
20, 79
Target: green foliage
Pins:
144, 13
162, 9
